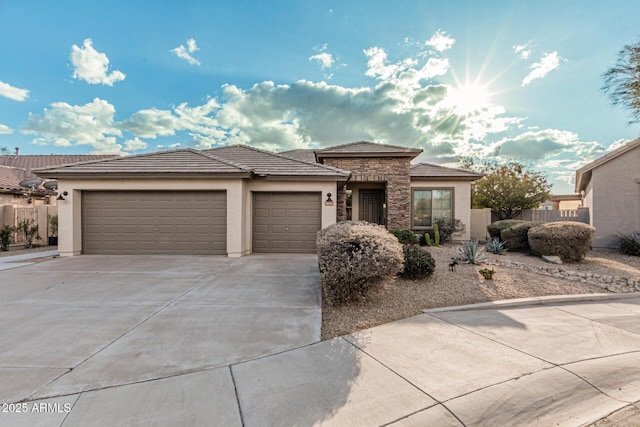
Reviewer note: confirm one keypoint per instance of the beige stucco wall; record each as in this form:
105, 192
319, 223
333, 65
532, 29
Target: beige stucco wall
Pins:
461, 197
613, 198
239, 205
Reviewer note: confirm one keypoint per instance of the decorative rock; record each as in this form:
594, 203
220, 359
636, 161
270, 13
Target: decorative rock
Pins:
552, 259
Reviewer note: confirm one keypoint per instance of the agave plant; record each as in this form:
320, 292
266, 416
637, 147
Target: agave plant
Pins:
495, 246
471, 252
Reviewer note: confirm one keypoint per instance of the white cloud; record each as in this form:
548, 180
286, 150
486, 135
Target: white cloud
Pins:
523, 50
63, 124
617, 144
151, 123
185, 52
5, 130
440, 41
548, 63
93, 66
325, 59
134, 144
14, 93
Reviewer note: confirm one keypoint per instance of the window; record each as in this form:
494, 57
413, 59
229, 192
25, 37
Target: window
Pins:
429, 204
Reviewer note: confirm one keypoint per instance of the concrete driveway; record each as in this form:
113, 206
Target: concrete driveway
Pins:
94, 341
97, 322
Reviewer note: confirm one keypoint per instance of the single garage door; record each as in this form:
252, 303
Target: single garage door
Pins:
286, 222
154, 222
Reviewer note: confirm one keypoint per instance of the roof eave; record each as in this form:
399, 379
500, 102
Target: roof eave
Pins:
144, 175
368, 154
446, 178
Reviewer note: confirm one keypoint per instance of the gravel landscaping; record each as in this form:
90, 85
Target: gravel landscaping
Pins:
399, 298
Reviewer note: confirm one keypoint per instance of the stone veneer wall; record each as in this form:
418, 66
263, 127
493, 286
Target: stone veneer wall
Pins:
395, 171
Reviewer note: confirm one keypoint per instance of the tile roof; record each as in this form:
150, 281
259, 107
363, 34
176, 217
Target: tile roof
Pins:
29, 162
264, 163
306, 154
235, 160
367, 149
10, 178
583, 175
187, 161
428, 170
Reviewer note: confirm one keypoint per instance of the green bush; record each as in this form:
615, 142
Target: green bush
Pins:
418, 263
630, 243
568, 240
515, 237
353, 256
29, 230
405, 237
5, 237
495, 228
447, 227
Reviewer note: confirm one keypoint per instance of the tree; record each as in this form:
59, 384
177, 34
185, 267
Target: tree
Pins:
622, 81
509, 188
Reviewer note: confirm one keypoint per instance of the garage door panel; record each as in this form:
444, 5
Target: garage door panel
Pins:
154, 222
286, 221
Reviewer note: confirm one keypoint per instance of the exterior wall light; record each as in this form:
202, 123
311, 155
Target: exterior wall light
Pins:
328, 202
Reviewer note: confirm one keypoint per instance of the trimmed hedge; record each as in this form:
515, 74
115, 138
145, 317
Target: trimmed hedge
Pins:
353, 256
405, 237
515, 237
495, 228
568, 240
418, 263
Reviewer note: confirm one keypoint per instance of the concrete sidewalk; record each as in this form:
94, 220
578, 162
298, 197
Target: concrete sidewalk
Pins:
13, 261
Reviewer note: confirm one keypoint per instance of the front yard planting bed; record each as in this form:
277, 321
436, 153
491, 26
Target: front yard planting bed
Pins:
399, 298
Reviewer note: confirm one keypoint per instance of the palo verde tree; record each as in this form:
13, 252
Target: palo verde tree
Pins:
507, 189
622, 81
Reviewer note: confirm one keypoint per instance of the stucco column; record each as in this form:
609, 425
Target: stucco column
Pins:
70, 223
237, 225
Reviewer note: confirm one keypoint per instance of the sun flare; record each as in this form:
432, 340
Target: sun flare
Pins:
468, 99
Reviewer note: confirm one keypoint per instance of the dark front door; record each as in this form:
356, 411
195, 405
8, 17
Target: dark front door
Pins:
371, 206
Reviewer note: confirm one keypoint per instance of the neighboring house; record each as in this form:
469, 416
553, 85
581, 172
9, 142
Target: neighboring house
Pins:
562, 202
237, 200
610, 188
15, 168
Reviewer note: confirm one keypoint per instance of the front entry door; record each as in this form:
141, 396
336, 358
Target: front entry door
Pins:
371, 206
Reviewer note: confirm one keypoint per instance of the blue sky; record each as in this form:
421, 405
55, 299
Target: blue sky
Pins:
507, 79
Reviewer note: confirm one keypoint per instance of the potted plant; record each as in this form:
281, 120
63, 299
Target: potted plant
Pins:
5, 237
53, 230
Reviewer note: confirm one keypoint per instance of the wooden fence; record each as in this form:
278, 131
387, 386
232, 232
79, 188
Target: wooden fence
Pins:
12, 215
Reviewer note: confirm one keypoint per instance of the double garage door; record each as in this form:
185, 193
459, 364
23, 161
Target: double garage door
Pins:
154, 222
194, 222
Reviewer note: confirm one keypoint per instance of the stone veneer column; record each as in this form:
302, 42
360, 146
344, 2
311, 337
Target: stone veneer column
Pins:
394, 171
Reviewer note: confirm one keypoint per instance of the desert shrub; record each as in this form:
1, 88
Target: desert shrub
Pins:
568, 240
405, 237
515, 237
418, 263
471, 252
630, 243
355, 255
447, 227
495, 228
6, 236
29, 230
495, 246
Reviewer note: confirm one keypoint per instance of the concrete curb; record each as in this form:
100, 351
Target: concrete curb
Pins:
33, 255
521, 302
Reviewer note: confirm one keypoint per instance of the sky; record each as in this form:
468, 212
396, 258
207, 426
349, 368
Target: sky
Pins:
505, 80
